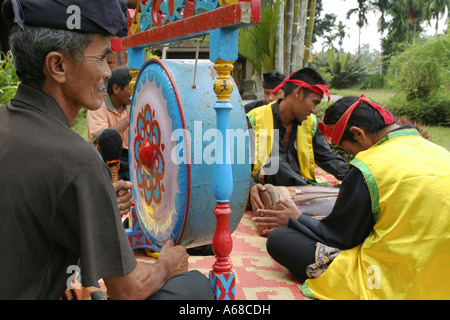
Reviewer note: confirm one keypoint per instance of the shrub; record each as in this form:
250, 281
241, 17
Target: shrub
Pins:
421, 76
422, 69
432, 111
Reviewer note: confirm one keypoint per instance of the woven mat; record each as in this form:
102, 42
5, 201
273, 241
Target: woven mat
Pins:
258, 276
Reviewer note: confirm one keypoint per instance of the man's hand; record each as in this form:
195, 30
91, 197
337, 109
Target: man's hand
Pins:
147, 278
124, 195
279, 217
255, 198
176, 257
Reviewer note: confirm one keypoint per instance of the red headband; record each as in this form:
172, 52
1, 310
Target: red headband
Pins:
320, 89
335, 131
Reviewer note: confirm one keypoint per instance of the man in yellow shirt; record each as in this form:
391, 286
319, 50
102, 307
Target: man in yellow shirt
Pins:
388, 234
289, 158
114, 114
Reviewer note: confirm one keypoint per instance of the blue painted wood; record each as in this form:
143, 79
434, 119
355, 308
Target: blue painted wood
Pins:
223, 175
197, 108
223, 44
136, 57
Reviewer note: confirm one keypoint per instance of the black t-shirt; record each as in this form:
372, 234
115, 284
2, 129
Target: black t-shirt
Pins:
57, 203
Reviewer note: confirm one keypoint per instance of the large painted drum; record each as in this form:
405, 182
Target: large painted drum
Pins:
174, 120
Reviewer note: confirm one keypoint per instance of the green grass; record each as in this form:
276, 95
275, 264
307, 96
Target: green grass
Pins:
439, 135
378, 95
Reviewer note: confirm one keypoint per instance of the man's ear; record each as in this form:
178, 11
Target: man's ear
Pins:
55, 67
300, 91
358, 133
116, 88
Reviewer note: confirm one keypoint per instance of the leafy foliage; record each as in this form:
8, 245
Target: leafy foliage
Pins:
421, 75
344, 69
423, 68
79, 124
374, 81
257, 43
432, 110
8, 78
347, 69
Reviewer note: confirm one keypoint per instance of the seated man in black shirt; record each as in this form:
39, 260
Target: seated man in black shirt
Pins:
59, 208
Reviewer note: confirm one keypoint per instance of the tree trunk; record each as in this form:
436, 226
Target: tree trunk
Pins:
288, 26
295, 30
279, 41
299, 39
312, 13
359, 41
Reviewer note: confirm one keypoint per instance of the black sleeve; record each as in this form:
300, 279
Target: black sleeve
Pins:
326, 159
285, 175
351, 219
90, 225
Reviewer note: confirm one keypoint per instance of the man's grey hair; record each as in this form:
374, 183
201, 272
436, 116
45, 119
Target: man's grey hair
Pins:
31, 46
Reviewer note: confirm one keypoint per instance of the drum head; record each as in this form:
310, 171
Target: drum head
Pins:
161, 193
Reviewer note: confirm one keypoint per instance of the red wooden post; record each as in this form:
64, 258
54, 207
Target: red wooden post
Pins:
221, 277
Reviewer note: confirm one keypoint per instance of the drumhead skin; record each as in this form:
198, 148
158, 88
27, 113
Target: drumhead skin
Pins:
174, 196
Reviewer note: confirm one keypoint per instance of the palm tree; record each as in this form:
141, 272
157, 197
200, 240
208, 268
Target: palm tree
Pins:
341, 34
414, 15
395, 20
278, 41
328, 42
434, 9
291, 39
257, 43
362, 9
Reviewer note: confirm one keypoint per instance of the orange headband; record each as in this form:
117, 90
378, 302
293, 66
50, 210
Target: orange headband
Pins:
335, 131
320, 89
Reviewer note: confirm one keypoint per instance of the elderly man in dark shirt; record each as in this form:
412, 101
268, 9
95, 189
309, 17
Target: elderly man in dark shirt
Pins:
59, 208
